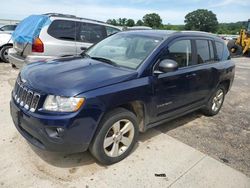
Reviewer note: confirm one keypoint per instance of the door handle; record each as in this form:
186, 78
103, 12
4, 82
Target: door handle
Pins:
83, 48
191, 75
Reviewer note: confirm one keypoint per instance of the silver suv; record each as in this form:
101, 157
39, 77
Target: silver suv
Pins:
58, 36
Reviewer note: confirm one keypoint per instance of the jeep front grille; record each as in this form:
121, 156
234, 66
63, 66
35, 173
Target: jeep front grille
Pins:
25, 97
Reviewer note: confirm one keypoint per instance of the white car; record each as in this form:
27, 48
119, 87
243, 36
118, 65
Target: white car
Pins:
5, 44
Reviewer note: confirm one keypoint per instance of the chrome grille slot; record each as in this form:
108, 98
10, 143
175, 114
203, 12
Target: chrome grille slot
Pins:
28, 100
17, 92
20, 93
23, 97
26, 97
34, 102
15, 89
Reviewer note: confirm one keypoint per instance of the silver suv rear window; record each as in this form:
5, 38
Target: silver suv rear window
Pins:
79, 31
63, 29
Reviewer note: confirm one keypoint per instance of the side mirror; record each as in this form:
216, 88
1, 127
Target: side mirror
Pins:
168, 65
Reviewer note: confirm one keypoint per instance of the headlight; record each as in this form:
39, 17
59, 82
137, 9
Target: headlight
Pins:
62, 104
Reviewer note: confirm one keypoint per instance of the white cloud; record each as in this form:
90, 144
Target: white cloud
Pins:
20, 9
230, 2
89, 11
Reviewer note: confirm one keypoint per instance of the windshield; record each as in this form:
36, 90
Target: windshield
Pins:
125, 49
8, 28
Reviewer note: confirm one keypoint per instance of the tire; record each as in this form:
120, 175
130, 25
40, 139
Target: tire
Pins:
4, 53
232, 46
210, 109
108, 130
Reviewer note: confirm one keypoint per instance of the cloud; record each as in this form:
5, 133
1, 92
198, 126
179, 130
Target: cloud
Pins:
90, 11
170, 11
229, 2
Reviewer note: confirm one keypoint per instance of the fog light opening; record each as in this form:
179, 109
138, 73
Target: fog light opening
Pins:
60, 131
55, 132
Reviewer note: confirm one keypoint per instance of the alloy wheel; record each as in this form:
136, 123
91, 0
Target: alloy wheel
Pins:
217, 100
118, 138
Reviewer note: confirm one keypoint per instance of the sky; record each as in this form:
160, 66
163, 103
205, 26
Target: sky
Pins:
171, 11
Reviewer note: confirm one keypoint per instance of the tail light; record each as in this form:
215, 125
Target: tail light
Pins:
37, 46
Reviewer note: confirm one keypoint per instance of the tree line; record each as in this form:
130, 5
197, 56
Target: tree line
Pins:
198, 20
152, 20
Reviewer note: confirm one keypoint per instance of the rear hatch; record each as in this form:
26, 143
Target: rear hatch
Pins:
27, 32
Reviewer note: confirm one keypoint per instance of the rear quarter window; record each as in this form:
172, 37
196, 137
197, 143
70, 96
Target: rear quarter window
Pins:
219, 48
63, 29
222, 51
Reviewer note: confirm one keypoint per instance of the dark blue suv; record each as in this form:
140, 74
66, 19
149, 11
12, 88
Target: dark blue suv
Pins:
121, 86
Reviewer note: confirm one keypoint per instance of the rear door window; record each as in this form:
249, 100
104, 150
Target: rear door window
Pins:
63, 29
91, 33
203, 51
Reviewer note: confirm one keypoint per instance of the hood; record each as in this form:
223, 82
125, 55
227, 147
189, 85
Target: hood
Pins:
72, 76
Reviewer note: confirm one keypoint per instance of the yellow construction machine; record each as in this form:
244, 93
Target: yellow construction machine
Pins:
241, 46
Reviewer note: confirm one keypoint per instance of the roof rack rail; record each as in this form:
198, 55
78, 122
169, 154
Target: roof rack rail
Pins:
60, 15
72, 16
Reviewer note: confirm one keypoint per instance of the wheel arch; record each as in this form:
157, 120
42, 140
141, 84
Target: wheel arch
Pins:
226, 84
138, 108
7, 44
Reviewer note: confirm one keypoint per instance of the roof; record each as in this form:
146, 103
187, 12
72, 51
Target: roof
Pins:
152, 33
167, 33
71, 16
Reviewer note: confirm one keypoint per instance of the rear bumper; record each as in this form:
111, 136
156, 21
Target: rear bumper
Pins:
16, 60
20, 61
76, 136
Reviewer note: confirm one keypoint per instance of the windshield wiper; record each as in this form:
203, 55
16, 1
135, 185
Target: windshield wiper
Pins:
83, 54
102, 59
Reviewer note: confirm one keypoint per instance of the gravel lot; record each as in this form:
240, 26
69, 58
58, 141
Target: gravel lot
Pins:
225, 137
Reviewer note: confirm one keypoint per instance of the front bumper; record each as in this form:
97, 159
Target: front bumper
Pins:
76, 137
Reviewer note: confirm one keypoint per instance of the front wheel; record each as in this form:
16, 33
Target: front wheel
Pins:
116, 136
216, 101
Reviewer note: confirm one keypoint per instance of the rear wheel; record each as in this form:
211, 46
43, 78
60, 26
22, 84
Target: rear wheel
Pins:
216, 101
4, 53
235, 49
116, 136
